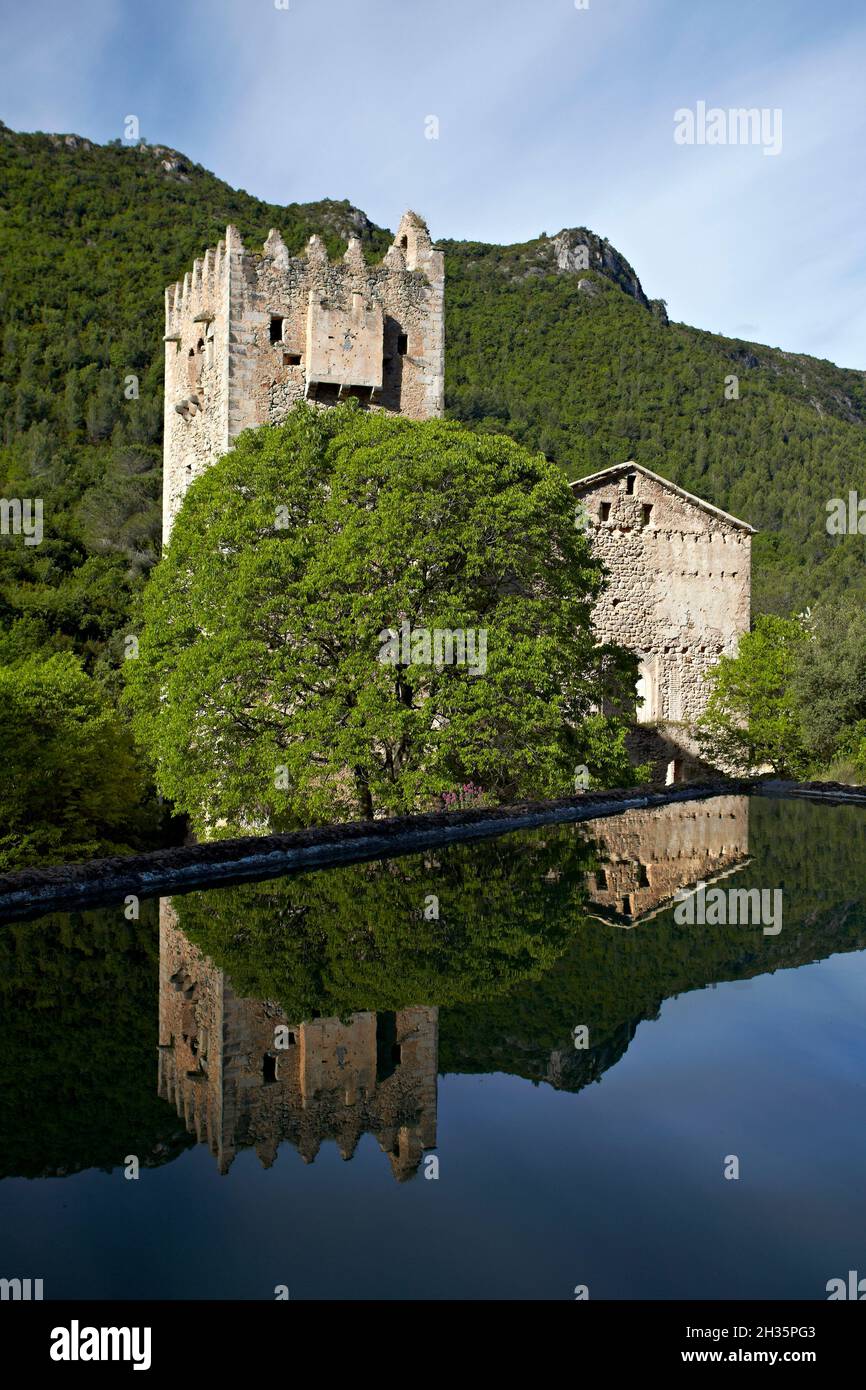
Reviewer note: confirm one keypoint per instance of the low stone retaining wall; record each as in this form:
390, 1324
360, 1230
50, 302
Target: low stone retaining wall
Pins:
832, 793
33, 892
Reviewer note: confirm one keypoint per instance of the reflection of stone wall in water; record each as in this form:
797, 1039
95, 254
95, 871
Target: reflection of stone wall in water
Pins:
645, 857
220, 1065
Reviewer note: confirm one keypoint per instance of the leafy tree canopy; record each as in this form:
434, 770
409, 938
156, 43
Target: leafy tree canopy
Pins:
70, 785
829, 679
275, 683
753, 719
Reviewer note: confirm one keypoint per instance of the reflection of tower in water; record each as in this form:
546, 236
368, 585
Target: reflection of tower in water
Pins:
243, 1075
645, 857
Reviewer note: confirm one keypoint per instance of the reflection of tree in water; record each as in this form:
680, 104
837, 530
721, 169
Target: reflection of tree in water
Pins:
77, 1043
360, 938
350, 966
512, 960
610, 979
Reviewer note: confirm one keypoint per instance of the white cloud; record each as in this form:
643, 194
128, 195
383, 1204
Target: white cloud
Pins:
550, 117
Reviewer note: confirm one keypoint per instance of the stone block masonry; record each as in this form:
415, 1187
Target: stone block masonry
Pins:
679, 583
249, 334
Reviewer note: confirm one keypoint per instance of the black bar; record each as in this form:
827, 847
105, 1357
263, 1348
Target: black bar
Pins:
244, 1340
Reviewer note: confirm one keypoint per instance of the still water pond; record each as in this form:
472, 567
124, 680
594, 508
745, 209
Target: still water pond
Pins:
498, 1070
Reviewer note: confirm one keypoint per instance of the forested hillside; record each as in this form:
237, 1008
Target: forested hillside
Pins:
89, 237
592, 375
574, 362
553, 342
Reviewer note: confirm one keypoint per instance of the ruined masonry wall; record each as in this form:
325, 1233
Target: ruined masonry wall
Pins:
376, 332
679, 588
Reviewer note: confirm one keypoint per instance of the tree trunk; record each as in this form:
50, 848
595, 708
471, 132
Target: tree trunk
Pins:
364, 795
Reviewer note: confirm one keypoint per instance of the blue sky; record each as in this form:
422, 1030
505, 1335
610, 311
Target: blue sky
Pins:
549, 116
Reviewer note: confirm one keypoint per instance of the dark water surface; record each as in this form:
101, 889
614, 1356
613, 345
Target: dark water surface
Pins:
329, 1087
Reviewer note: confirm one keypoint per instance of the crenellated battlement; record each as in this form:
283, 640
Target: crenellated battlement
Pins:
411, 252
250, 333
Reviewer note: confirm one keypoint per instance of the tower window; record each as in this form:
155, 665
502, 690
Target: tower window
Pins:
292, 359
404, 242
276, 329
604, 511
269, 1068
646, 514
402, 344
629, 484
387, 1047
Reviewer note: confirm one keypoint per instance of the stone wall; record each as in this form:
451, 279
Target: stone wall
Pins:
679, 589
249, 334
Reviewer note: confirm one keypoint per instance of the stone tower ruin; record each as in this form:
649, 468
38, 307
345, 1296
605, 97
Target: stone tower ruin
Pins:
249, 334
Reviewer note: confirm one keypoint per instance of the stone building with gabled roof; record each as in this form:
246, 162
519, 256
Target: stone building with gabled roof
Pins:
679, 583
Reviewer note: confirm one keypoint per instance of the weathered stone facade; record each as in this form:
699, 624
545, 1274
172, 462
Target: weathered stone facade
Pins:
648, 856
679, 588
248, 334
223, 1066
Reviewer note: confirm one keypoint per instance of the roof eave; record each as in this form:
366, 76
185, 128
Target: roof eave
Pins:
615, 469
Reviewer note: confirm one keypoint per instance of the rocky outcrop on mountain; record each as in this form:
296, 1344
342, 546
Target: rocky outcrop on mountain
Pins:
577, 249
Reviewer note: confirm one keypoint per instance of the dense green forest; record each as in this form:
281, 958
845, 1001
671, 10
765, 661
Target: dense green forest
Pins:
575, 365
574, 362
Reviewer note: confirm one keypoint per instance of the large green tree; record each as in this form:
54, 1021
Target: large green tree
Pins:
753, 719
829, 679
70, 786
268, 690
